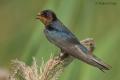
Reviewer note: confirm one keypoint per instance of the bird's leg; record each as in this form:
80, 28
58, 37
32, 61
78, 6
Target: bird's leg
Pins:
63, 55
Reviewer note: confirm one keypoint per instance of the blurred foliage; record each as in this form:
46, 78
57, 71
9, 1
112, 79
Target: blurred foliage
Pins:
21, 35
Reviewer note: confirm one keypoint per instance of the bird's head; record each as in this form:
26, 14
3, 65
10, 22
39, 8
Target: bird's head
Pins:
46, 17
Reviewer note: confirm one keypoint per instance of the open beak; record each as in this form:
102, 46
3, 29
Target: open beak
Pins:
41, 18
38, 16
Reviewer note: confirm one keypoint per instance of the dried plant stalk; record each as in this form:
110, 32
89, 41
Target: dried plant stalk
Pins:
50, 70
4, 74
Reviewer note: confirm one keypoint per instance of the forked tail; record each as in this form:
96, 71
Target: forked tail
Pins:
100, 64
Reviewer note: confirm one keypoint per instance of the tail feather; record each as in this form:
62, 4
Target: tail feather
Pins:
100, 64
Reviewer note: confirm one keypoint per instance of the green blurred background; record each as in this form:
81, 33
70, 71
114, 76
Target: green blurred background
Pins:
21, 35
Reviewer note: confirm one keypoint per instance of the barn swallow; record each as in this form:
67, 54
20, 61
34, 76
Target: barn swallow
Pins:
59, 35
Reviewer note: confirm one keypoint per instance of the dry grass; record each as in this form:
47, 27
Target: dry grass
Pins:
50, 70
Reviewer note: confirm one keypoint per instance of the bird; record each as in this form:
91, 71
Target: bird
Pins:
59, 35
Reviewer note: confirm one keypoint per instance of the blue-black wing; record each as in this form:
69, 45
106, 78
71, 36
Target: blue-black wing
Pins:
62, 37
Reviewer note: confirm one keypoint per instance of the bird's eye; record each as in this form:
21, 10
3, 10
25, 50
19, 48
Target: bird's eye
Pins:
45, 14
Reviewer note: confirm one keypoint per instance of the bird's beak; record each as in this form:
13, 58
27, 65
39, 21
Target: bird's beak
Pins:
38, 16
42, 19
